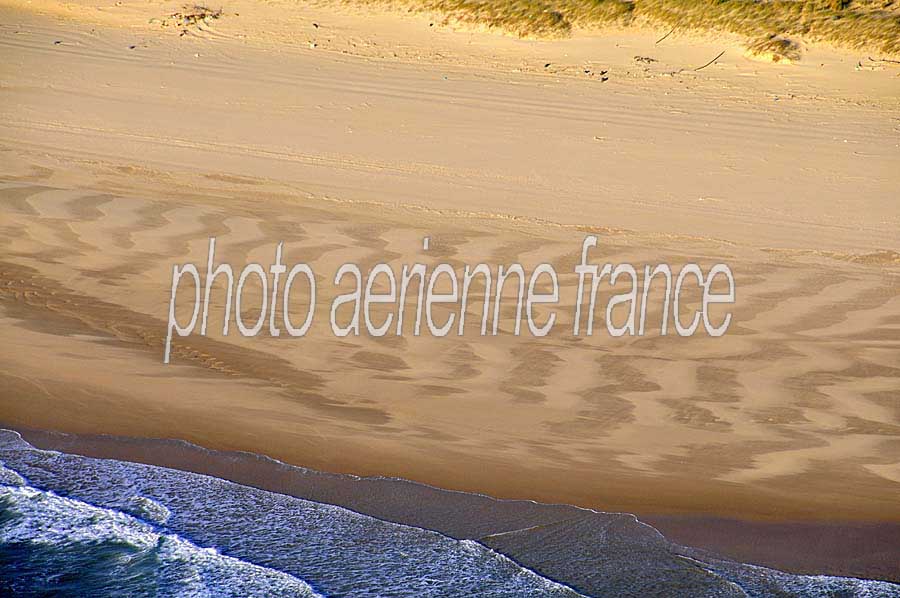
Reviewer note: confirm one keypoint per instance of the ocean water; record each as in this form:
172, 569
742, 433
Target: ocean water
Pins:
78, 526
75, 526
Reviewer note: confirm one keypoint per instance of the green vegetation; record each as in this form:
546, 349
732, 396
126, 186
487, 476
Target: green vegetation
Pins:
859, 24
776, 49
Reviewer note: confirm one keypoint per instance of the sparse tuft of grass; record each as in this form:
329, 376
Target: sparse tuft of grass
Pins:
812, 20
775, 49
858, 24
524, 18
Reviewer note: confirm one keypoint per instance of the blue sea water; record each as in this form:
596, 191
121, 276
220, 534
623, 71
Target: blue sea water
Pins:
75, 526
78, 526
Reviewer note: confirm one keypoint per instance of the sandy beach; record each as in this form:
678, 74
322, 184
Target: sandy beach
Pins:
129, 137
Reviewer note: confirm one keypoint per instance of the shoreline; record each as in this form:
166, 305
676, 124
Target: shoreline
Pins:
828, 547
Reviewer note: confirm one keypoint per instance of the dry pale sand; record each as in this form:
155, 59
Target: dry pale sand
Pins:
125, 144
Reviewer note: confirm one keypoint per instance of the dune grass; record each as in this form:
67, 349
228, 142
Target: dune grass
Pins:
859, 24
775, 49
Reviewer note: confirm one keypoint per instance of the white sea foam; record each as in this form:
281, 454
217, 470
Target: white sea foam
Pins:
9, 477
185, 570
148, 509
337, 550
